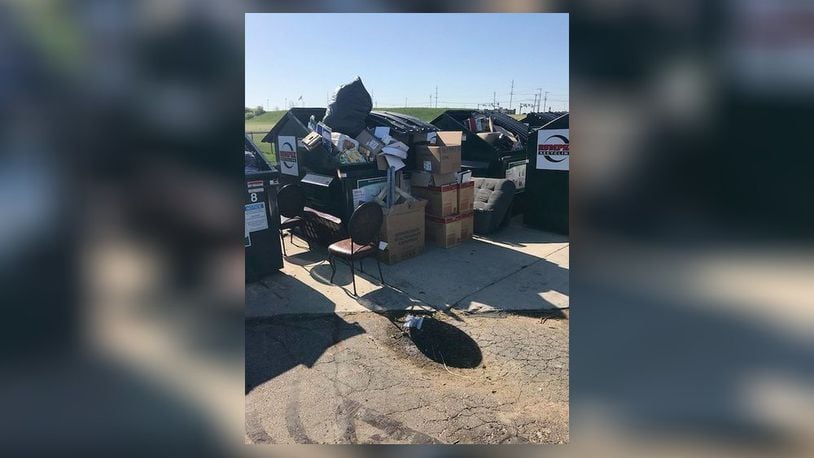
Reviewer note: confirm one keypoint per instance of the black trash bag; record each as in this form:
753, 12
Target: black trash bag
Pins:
250, 162
349, 108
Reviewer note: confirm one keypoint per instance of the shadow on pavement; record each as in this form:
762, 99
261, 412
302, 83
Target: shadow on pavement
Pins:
279, 343
446, 344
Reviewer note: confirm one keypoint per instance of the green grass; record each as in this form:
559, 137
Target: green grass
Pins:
264, 122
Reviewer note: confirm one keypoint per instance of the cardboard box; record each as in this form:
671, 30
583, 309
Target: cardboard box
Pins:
425, 179
441, 200
369, 142
403, 231
466, 196
444, 232
445, 157
467, 225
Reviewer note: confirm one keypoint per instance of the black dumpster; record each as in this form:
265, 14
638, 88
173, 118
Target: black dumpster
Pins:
329, 186
547, 177
534, 120
496, 159
261, 218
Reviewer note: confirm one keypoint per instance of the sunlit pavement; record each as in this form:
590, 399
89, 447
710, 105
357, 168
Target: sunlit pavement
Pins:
489, 364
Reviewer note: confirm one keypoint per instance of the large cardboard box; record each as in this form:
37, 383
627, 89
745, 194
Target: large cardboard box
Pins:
466, 197
425, 179
444, 232
467, 225
442, 157
441, 200
403, 231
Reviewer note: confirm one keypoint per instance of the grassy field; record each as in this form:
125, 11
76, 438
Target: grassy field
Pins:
260, 125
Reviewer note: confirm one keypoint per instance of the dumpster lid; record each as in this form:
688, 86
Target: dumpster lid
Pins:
400, 122
475, 164
300, 114
559, 123
317, 179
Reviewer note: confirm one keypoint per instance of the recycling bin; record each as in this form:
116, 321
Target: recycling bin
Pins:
539, 119
330, 187
261, 237
547, 177
484, 156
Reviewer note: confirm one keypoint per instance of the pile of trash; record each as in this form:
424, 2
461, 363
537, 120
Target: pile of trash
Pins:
485, 127
343, 134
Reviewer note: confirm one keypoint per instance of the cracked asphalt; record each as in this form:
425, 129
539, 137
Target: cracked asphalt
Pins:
340, 378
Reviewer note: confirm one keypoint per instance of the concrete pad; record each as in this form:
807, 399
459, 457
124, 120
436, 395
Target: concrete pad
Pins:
303, 286
442, 277
542, 285
518, 268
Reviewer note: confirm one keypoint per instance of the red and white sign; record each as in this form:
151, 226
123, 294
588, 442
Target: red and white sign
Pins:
287, 151
552, 149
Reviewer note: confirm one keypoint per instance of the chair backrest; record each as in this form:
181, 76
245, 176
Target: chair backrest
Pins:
490, 191
365, 223
291, 200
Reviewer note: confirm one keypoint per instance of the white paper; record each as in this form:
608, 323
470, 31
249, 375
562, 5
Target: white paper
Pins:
393, 161
381, 132
516, 172
368, 189
255, 217
287, 151
552, 149
358, 196
389, 150
399, 145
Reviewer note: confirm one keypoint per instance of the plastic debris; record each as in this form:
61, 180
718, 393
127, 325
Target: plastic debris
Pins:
413, 321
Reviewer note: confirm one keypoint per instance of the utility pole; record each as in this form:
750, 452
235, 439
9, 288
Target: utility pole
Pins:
545, 99
494, 99
405, 102
539, 97
430, 100
436, 96
511, 95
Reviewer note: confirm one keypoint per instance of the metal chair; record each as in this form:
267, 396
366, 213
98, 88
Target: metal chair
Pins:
363, 229
291, 202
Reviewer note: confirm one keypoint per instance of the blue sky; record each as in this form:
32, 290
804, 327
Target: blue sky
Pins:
398, 56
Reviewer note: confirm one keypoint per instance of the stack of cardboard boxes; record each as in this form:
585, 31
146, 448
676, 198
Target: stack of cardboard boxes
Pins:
449, 192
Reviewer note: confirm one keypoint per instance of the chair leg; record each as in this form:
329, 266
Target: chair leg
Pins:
353, 275
282, 242
378, 264
362, 265
332, 262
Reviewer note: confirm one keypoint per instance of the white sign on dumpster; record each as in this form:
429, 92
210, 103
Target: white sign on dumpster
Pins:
255, 217
552, 149
287, 151
516, 172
